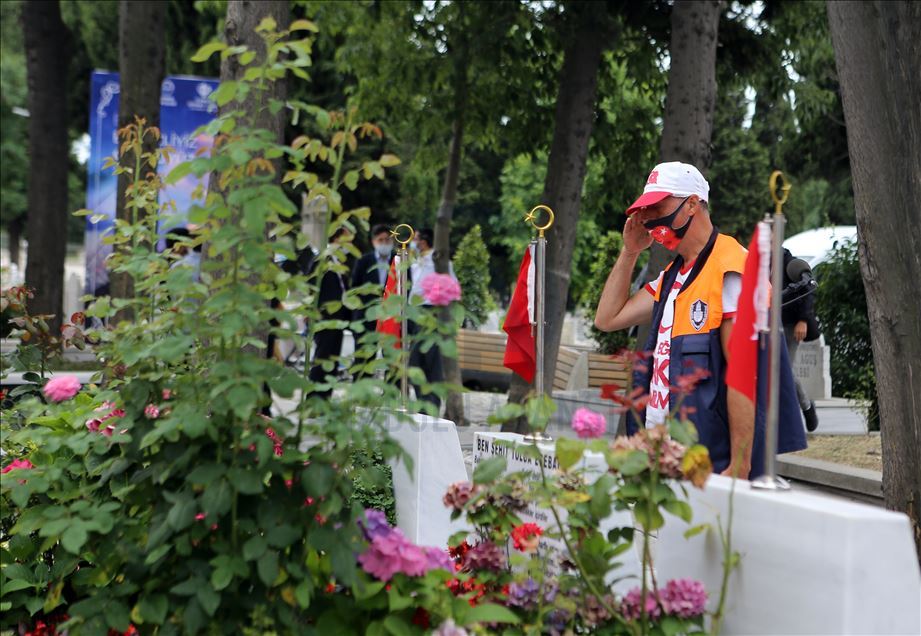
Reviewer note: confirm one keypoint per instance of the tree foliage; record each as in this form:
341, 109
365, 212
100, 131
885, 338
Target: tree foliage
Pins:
471, 265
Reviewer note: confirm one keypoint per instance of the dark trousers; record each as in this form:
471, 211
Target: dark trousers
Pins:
431, 364
792, 346
328, 346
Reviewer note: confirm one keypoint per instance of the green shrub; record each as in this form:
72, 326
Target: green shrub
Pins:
471, 265
841, 307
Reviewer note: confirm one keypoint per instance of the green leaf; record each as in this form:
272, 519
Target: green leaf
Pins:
209, 599
505, 413
388, 160
351, 179
693, 531
282, 536
303, 25
671, 626
267, 567
16, 585
184, 169
153, 608
207, 51
205, 474
74, 538
680, 509
221, 578
182, 514
397, 625
248, 482
302, 594
568, 452
397, 601
217, 498
117, 616
254, 548
488, 470
490, 613
224, 93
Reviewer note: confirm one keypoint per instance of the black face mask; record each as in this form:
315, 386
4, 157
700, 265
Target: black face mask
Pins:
662, 231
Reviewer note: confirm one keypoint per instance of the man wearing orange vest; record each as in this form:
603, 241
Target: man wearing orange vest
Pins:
691, 306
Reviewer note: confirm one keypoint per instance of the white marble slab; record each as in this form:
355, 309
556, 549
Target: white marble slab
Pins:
810, 564
437, 463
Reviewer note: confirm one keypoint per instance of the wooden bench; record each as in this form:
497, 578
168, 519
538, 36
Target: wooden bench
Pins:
603, 369
480, 356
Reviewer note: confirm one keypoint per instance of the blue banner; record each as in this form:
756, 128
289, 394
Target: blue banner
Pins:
185, 106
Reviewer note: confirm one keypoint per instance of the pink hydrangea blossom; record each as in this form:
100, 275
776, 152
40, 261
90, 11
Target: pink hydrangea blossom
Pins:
151, 411
587, 423
61, 387
632, 603
390, 552
16, 464
440, 289
167, 394
685, 598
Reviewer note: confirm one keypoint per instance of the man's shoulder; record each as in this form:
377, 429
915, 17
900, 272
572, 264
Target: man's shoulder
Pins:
730, 253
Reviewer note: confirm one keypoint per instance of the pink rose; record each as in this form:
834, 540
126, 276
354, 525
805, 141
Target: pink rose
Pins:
62, 387
17, 464
588, 423
440, 289
151, 412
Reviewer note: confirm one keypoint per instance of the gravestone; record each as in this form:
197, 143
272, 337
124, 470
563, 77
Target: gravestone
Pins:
812, 368
437, 462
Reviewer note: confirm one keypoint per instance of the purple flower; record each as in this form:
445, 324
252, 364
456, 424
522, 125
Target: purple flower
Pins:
587, 423
524, 594
632, 604
374, 524
438, 559
440, 289
485, 555
684, 598
449, 628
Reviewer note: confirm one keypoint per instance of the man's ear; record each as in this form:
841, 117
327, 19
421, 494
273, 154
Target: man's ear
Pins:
694, 206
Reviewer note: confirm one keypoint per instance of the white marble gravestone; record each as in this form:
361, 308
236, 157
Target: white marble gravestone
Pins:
437, 462
812, 368
810, 564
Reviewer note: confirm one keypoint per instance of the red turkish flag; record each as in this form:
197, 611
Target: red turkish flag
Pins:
391, 325
752, 315
520, 351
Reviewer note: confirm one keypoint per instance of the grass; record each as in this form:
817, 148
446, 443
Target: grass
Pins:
861, 451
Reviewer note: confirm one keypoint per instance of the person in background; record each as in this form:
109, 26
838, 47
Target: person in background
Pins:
796, 317
328, 342
372, 268
429, 361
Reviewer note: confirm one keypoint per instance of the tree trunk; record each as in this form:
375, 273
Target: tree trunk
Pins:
141, 67
47, 44
566, 166
240, 29
454, 405
689, 104
878, 55
243, 16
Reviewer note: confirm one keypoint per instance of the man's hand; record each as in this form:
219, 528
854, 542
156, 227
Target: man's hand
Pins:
636, 237
799, 331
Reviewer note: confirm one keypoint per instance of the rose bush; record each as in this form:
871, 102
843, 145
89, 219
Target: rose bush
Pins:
163, 499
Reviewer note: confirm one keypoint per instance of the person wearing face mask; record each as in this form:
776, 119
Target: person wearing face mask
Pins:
372, 268
690, 305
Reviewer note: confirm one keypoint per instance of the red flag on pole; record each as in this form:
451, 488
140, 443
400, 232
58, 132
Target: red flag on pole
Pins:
520, 351
391, 325
752, 315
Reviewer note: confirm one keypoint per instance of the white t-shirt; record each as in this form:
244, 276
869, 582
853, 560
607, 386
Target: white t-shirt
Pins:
657, 408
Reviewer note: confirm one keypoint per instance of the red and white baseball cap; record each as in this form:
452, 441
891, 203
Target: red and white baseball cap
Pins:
671, 179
